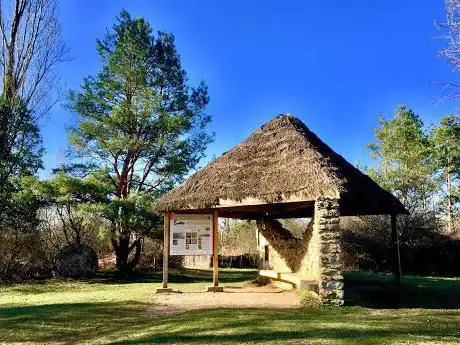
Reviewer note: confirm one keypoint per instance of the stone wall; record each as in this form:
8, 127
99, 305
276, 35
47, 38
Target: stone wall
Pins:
76, 260
327, 222
317, 256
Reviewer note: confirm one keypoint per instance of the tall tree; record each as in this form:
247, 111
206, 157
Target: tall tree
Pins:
404, 153
446, 145
141, 121
30, 48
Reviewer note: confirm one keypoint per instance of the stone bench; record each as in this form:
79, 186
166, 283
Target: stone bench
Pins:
298, 281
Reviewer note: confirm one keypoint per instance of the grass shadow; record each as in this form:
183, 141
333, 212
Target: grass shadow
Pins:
123, 320
131, 323
376, 290
177, 275
66, 322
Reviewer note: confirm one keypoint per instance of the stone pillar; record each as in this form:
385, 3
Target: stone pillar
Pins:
327, 223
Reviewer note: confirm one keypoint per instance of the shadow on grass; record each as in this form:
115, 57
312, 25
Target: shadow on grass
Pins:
369, 290
66, 322
179, 275
373, 290
134, 323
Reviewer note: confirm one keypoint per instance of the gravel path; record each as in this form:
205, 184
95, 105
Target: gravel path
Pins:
247, 297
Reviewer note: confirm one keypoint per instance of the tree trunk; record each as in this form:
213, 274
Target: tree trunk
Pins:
424, 203
123, 249
449, 200
396, 252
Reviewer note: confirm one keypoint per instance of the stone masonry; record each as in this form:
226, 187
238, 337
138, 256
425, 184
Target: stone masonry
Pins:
327, 223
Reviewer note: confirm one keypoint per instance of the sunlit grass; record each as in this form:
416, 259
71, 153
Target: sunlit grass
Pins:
107, 311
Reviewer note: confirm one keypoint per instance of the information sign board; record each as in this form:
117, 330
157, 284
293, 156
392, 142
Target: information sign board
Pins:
191, 234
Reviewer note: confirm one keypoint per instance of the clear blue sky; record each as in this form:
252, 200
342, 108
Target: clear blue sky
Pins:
335, 64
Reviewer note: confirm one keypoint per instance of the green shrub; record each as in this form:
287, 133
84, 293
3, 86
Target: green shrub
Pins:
309, 299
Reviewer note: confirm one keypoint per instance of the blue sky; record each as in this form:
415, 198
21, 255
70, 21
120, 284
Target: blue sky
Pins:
334, 64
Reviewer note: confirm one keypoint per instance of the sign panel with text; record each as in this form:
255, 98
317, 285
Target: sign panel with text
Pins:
191, 234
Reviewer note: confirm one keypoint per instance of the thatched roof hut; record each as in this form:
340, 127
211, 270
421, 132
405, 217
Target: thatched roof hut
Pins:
280, 169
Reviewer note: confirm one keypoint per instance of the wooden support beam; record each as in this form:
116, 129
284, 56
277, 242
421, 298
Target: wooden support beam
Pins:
215, 248
256, 212
167, 225
215, 254
397, 255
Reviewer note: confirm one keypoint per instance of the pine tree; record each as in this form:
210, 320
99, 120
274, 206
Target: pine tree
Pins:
405, 165
140, 121
446, 145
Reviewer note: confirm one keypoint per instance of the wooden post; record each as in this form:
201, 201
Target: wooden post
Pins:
215, 248
215, 254
166, 230
397, 254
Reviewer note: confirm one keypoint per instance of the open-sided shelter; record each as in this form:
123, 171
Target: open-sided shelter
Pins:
283, 170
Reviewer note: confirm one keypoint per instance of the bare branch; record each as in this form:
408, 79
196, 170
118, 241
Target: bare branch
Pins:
31, 49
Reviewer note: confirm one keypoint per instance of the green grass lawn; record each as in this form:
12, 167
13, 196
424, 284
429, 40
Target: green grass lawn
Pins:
107, 311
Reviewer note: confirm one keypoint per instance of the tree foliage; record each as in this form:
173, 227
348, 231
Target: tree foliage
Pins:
20, 142
446, 149
141, 122
69, 198
405, 161
18, 227
30, 48
237, 237
420, 166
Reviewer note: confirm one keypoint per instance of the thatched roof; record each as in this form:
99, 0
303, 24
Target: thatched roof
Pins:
281, 162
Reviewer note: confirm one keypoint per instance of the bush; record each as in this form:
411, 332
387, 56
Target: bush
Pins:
309, 299
152, 254
424, 249
22, 256
239, 261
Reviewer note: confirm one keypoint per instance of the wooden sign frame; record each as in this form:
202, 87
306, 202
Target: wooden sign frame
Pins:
215, 253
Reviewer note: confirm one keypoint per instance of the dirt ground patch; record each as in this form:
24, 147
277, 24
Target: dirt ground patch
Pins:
232, 297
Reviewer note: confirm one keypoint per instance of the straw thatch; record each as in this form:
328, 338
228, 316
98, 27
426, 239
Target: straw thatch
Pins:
282, 161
